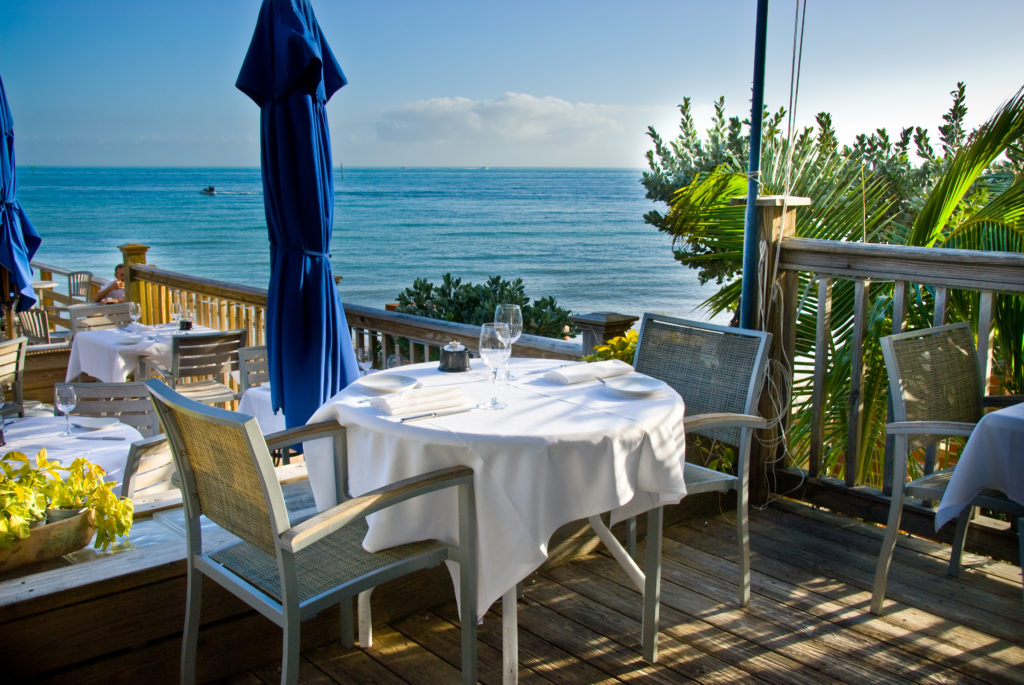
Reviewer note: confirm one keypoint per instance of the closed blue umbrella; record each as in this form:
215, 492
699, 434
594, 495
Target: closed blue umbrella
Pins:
290, 72
19, 240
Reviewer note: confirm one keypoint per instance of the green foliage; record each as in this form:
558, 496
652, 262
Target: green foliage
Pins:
27, 490
453, 300
622, 348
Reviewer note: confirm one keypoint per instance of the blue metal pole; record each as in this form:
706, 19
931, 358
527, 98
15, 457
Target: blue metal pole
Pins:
748, 295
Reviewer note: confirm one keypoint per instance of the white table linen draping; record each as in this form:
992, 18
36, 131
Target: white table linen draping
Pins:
256, 402
558, 453
992, 459
31, 434
110, 354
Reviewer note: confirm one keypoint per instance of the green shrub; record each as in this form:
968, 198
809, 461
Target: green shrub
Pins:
622, 348
453, 300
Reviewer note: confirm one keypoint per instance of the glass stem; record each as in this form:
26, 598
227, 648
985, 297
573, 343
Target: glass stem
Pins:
67, 423
494, 386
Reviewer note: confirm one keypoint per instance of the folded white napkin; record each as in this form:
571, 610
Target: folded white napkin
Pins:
419, 400
577, 373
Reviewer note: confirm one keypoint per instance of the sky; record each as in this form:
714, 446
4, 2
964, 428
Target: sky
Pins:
534, 83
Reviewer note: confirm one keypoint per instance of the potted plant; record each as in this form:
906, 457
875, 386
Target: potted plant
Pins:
47, 510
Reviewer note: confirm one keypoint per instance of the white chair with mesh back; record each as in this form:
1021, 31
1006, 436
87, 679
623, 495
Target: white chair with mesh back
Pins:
12, 371
719, 372
290, 573
201, 365
127, 402
937, 392
90, 317
80, 284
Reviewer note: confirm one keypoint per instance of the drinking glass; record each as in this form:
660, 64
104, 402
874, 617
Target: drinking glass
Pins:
175, 312
66, 401
494, 351
395, 359
135, 313
364, 358
512, 315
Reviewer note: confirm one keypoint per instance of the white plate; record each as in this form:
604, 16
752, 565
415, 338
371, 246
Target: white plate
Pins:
386, 382
92, 422
634, 384
130, 340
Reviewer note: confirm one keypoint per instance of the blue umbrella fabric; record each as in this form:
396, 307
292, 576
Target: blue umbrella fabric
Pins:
19, 239
290, 72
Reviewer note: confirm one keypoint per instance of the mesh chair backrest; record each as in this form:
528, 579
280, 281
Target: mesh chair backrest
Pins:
127, 402
79, 283
933, 376
12, 367
713, 368
35, 325
92, 317
253, 367
225, 474
205, 354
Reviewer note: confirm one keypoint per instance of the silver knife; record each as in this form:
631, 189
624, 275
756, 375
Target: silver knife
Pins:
100, 437
432, 414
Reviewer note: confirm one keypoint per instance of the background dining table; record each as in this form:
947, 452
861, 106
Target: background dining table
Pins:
557, 454
111, 354
106, 446
255, 401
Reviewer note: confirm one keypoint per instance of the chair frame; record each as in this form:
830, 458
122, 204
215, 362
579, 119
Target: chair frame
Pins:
949, 422
80, 284
88, 317
288, 541
201, 357
12, 372
35, 325
700, 479
127, 402
253, 367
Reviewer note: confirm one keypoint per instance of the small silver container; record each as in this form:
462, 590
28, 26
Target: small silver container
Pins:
454, 357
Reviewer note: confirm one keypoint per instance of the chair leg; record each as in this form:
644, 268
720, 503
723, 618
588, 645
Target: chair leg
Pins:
1020, 545
652, 586
365, 620
348, 633
190, 638
892, 529
743, 540
959, 538
290, 648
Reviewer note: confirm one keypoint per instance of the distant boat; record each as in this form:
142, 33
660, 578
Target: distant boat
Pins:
208, 190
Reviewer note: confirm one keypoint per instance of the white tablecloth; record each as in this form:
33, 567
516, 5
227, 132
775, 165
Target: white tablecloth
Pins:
993, 459
557, 454
30, 434
256, 402
109, 354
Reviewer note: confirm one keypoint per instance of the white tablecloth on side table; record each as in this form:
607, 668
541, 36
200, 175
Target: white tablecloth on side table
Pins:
31, 434
256, 402
557, 454
110, 354
993, 459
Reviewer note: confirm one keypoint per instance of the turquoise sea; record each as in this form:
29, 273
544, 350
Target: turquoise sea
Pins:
575, 234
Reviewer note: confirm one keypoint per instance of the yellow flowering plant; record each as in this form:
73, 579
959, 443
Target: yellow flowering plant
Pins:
622, 348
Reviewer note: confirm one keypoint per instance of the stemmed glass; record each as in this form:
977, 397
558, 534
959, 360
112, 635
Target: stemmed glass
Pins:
494, 351
364, 358
512, 315
135, 313
66, 401
175, 313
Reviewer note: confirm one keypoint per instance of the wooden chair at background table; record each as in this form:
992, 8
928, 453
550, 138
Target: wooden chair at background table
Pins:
253, 367
35, 325
90, 317
80, 284
196, 361
937, 392
290, 573
127, 402
719, 372
12, 371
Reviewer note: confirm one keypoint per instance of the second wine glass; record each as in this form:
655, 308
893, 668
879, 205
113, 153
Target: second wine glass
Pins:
135, 313
364, 358
494, 351
512, 315
66, 399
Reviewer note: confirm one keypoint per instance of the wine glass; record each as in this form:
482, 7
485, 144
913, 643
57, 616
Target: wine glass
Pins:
135, 313
395, 359
175, 313
512, 315
494, 351
66, 401
364, 358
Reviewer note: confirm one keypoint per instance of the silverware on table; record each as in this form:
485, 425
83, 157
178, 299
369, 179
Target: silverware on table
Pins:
432, 414
100, 437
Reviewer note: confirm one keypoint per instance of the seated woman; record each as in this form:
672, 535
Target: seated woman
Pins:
113, 291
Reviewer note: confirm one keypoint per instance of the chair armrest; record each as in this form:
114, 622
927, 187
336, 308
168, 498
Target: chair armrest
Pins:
723, 419
311, 431
309, 531
151, 365
1001, 400
929, 428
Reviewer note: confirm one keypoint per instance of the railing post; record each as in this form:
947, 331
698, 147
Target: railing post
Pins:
133, 253
777, 315
600, 327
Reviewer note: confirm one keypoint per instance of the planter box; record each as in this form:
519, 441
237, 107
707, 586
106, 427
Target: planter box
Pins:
50, 541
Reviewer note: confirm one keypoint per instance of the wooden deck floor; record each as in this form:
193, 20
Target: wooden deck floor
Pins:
808, 620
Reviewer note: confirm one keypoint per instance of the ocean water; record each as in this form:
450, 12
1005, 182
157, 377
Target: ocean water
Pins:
575, 234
